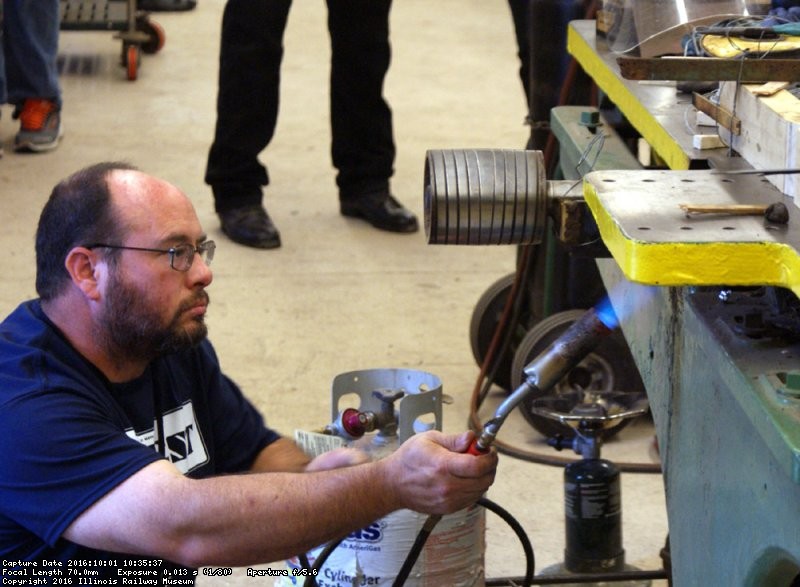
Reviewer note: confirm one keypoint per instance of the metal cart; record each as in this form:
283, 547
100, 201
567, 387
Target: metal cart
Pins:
135, 29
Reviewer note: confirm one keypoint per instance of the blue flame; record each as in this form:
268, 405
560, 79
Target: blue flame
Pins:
634, 301
605, 312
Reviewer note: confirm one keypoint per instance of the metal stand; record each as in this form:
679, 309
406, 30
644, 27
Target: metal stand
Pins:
592, 491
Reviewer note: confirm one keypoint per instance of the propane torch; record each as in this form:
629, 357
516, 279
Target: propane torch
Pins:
551, 365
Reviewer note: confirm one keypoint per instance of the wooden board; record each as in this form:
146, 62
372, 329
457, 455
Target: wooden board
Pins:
770, 132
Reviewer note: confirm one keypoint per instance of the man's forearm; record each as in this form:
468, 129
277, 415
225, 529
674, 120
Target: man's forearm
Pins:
273, 516
233, 520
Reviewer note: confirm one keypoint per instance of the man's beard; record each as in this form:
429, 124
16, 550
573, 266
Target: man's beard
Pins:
133, 331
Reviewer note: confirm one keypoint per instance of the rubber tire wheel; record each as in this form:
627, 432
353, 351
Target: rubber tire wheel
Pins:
609, 367
485, 318
132, 56
155, 32
131, 59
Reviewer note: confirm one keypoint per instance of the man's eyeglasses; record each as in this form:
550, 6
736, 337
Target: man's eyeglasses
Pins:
180, 257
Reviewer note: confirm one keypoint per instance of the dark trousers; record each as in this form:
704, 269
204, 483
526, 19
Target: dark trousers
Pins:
520, 13
251, 50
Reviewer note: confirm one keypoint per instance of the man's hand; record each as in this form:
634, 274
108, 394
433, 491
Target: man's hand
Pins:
285, 455
431, 473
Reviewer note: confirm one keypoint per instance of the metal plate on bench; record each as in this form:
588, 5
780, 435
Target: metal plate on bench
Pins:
654, 241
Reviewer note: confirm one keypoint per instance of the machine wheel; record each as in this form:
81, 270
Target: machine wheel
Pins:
155, 33
485, 318
130, 60
609, 367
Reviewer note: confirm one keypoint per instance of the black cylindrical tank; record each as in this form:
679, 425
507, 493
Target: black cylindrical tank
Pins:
593, 504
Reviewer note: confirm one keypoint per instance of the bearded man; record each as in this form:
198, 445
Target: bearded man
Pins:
120, 432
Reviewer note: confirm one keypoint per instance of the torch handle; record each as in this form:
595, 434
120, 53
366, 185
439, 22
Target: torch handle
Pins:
476, 449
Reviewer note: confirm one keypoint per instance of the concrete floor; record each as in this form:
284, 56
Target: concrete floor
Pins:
339, 295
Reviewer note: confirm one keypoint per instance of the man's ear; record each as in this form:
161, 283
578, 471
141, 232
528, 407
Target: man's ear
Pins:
86, 270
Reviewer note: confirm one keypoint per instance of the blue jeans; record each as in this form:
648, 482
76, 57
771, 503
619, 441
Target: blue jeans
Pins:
29, 41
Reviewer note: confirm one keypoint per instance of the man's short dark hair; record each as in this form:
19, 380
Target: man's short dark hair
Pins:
78, 212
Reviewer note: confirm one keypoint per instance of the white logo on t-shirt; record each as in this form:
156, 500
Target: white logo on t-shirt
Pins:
184, 445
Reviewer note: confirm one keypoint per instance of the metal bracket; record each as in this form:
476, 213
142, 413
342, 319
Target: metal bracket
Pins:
709, 69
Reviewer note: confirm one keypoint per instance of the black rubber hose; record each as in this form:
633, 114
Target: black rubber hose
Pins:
530, 561
304, 563
416, 549
311, 579
430, 523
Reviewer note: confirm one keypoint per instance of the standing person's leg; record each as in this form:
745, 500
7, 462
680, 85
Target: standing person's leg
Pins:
30, 31
3, 92
251, 50
363, 147
520, 14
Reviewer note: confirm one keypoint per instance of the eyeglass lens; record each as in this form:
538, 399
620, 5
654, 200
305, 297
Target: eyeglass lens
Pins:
183, 256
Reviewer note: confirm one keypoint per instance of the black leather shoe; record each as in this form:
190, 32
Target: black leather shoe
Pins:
250, 226
166, 5
381, 211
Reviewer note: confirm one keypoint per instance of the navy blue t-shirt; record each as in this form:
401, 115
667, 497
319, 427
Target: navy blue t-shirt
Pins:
68, 436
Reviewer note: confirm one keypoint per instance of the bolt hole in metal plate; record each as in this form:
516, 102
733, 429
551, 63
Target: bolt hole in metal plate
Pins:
654, 241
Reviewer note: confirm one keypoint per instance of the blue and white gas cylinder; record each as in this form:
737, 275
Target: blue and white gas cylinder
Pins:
386, 407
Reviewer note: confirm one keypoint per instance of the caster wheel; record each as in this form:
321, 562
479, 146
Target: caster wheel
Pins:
155, 33
130, 61
608, 368
485, 318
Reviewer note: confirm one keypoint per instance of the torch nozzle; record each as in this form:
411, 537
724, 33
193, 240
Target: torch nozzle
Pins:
569, 349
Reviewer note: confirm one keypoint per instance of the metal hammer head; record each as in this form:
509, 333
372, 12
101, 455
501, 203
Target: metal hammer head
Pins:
777, 213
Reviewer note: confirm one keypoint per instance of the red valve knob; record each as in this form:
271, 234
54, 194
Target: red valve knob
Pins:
352, 423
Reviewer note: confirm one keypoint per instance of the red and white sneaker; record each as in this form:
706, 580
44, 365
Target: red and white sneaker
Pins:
40, 126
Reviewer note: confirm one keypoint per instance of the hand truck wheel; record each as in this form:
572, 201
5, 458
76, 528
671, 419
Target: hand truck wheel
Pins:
154, 31
131, 57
